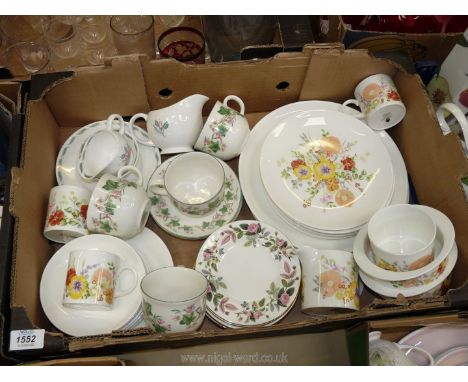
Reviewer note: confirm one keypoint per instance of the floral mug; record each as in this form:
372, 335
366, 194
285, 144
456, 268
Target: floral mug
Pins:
92, 278
66, 213
329, 281
379, 101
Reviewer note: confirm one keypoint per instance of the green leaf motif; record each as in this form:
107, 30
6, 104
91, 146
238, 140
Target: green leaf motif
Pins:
223, 209
187, 319
154, 200
229, 195
224, 110
110, 185
214, 146
223, 130
106, 226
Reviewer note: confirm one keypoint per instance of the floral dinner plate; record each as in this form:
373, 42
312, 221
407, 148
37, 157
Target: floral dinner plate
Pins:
183, 226
328, 170
254, 275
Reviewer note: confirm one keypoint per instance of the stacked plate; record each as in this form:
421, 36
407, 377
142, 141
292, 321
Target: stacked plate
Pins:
144, 252
253, 274
321, 174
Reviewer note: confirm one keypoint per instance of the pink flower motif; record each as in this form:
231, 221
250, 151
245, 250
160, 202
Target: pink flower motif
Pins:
160, 321
257, 315
206, 255
252, 228
208, 290
189, 309
284, 298
280, 242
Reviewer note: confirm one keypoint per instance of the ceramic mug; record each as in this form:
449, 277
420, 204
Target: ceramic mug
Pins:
106, 151
66, 213
118, 207
402, 238
92, 280
329, 281
174, 299
225, 131
174, 129
379, 101
193, 181
461, 118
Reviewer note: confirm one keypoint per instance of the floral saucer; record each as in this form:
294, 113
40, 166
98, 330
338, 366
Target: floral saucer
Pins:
180, 225
254, 275
81, 323
67, 158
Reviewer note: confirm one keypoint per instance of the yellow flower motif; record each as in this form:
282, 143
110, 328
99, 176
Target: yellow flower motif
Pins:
77, 286
303, 172
324, 169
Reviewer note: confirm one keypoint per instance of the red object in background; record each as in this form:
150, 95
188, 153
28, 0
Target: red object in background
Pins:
457, 24
463, 98
403, 24
354, 21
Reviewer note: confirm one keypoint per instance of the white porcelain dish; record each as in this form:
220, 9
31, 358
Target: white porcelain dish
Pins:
327, 170
254, 275
363, 254
255, 193
81, 323
66, 165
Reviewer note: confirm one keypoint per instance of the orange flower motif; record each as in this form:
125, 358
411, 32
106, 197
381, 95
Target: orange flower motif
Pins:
393, 95
344, 198
56, 217
331, 145
348, 163
296, 163
70, 273
102, 276
330, 282
84, 210
371, 91
109, 293
332, 184
421, 262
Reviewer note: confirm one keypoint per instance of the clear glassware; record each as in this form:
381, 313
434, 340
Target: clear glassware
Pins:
94, 29
17, 29
25, 58
63, 39
39, 23
134, 34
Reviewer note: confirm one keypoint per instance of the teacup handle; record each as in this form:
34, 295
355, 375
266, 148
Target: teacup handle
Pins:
425, 353
237, 100
352, 102
80, 164
110, 124
156, 186
458, 114
124, 292
131, 125
126, 169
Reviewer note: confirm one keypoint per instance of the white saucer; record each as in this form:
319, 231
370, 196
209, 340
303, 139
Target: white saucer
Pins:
394, 288
81, 323
152, 250
255, 194
180, 225
445, 234
67, 158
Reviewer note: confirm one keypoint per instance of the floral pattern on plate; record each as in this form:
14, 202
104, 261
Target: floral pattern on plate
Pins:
276, 298
333, 282
402, 266
327, 171
375, 94
220, 129
178, 224
425, 279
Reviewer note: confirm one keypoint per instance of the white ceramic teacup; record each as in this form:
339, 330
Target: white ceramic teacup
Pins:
118, 206
106, 151
379, 101
329, 281
94, 280
461, 118
174, 299
66, 213
225, 131
194, 182
402, 238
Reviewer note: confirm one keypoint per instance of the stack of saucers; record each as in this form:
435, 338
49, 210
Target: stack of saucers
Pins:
326, 174
408, 250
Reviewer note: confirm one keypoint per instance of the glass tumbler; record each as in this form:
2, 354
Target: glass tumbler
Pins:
63, 39
134, 34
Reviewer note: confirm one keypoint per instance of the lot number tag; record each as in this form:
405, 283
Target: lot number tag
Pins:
27, 339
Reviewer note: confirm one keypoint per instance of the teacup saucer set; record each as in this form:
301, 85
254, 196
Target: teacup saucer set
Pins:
326, 184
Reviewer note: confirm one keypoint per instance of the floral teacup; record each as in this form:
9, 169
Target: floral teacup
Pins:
225, 131
329, 281
66, 213
92, 280
379, 101
174, 299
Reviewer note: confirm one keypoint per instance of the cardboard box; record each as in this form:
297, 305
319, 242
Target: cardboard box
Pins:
418, 46
60, 104
83, 361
